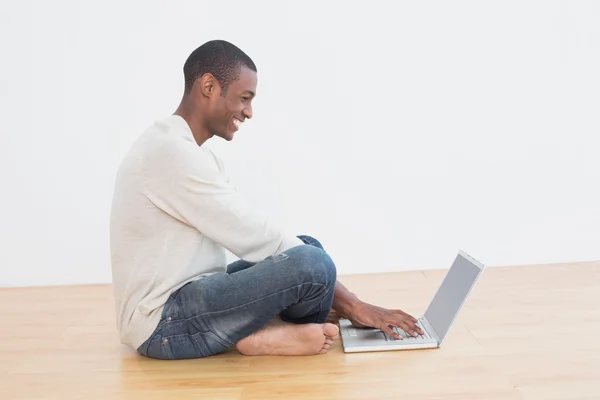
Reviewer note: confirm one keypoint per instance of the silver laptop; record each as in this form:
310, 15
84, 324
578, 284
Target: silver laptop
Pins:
435, 323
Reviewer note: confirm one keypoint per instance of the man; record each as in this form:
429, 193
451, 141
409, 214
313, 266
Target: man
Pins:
175, 212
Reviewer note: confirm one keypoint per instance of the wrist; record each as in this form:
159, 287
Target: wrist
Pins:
345, 303
347, 308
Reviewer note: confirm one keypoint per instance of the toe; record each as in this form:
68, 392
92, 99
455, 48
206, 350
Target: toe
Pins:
330, 330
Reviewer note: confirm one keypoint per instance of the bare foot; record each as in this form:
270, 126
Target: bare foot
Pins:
286, 339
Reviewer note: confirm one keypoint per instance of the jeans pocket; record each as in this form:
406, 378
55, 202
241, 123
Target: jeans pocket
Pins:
209, 343
179, 347
185, 346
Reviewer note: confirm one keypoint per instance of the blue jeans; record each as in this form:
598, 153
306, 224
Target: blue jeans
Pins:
210, 315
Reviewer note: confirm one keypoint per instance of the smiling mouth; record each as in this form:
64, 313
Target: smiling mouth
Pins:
237, 123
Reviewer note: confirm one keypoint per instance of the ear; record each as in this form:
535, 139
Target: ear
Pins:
208, 84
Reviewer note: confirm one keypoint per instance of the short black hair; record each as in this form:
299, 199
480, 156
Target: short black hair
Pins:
221, 59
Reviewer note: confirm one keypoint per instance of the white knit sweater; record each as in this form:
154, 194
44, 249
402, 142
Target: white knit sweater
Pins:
173, 214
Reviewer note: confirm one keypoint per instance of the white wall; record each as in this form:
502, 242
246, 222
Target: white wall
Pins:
395, 133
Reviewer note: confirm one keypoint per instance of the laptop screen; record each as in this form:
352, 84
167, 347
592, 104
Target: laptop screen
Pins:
452, 293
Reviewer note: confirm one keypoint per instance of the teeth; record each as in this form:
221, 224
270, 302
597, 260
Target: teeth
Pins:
237, 122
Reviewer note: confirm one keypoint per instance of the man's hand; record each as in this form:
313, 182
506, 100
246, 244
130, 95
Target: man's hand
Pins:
363, 315
369, 316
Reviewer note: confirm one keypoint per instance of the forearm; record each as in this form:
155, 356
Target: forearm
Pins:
344, 302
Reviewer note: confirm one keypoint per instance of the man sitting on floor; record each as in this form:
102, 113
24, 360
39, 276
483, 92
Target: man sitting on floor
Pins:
175, 212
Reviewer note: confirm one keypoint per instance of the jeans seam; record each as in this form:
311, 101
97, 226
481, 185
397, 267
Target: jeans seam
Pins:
146, 345
321, 302
224, 342
327, 291
324, 297
253, 301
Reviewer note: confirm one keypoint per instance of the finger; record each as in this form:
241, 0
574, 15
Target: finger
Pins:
387, 329
407, 328
414, 328
410, 328
405, 324
419, 330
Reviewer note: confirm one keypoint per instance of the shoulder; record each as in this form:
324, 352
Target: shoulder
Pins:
171, 153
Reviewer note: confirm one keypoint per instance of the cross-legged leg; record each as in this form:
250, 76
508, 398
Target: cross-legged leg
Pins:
298, 314
241, 308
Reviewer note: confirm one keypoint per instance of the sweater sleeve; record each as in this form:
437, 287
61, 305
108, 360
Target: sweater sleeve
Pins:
187, 185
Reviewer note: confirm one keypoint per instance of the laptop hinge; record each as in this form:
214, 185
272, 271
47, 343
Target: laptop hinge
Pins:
430, 329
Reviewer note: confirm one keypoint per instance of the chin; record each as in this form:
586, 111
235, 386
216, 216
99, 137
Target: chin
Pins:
228, 137
225, 136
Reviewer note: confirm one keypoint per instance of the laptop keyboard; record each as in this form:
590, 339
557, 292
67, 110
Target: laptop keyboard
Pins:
406, 336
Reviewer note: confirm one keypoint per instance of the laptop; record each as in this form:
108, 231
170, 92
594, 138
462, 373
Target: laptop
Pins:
435, 323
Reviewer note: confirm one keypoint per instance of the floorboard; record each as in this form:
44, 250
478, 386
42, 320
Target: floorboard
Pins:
526, 333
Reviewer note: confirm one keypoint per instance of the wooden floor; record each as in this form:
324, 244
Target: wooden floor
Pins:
525, 333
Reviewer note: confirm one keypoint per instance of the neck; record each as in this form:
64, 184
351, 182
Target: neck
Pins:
188, 111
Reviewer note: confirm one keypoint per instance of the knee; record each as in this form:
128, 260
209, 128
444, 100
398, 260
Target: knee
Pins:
311, 241
316, 264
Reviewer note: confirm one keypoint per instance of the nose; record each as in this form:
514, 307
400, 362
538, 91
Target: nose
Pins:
248, 112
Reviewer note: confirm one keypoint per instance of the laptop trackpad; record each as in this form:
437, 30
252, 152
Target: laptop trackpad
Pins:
370, 333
